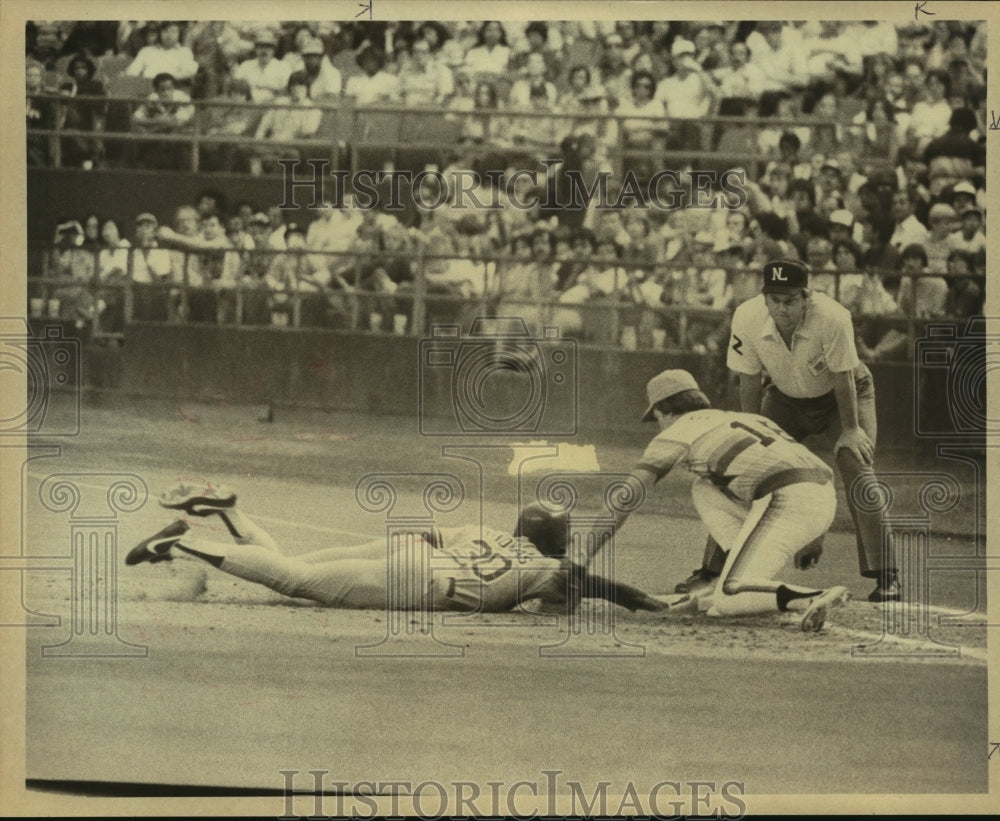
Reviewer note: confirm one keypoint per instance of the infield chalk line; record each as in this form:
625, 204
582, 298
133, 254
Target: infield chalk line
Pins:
335, 531
863, 636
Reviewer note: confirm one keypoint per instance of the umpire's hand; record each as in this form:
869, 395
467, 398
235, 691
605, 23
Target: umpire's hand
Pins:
858, 443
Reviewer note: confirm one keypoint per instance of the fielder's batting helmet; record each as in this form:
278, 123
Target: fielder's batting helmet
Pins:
547, 531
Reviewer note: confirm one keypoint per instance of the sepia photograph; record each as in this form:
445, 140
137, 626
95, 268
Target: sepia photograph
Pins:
583, 412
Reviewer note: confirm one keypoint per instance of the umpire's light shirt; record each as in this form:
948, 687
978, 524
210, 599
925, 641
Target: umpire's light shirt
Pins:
822, 345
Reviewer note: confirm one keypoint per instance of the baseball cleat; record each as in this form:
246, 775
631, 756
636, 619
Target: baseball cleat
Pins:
815, 615
198, 500
157, 547
888, 590
698, 583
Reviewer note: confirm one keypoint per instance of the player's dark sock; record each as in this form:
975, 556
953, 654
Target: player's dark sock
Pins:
215, 561
785, 595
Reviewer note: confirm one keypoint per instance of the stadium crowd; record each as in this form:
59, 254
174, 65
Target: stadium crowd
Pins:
873, 172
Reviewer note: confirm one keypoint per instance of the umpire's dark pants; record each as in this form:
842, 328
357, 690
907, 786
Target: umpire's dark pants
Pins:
804, 417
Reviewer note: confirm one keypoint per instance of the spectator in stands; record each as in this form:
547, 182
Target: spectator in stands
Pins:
491, 54
920, 295
82, 115
294, 44
689, 94
589, 99
962, 196
73, 266
255, 264
537, 36
373, 84
297, 118
151, 270
931, 116
428, 82
238, 235
776, 51
41, 114
437, 36
969, 237
325, 82
819, 257
112, 272
167, 110
217, 46
134, 35
266, 75
942, 221
780, 105
533, 85
276, 237
842, 229
526, 288
954, 157
616, 77
227, 121
965, 292
909, 230
536, 94
705, 286
646, 130
875, 129
282, 279
167, 56
828, 138
740, 79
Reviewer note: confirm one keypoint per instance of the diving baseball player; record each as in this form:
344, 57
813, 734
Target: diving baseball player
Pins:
468, 568
762, 496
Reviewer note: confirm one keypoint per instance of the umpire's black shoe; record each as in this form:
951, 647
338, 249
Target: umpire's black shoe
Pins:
157, 547
888, 589
697, 581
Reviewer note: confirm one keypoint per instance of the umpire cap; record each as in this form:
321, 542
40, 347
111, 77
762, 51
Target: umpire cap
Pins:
547, 531
785, 276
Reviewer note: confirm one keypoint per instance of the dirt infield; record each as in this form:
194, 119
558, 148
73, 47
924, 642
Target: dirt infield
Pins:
236, 683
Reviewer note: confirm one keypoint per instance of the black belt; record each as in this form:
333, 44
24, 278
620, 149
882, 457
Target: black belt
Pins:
792, 476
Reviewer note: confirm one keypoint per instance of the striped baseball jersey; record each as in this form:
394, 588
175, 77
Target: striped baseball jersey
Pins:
481, 567
744, 453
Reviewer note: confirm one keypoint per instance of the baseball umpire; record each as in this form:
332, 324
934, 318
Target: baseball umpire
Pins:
798, 366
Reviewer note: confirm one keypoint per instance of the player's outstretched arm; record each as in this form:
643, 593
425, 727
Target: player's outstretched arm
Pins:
624, 595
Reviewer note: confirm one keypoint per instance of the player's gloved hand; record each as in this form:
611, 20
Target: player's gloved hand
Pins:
808, 556
858, 443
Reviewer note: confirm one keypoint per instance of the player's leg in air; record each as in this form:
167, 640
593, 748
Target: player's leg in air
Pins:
760, 539
344, 578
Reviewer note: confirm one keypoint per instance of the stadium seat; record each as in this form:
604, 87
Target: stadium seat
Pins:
111, 65
124, 87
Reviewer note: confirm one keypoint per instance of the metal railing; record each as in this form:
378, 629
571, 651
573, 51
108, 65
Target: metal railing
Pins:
347, 130
246, 298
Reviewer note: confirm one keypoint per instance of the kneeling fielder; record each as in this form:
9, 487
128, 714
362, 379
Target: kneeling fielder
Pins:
467, 568
761, 495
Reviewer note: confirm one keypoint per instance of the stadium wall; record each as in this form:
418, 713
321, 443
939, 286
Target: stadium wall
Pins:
383, 374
